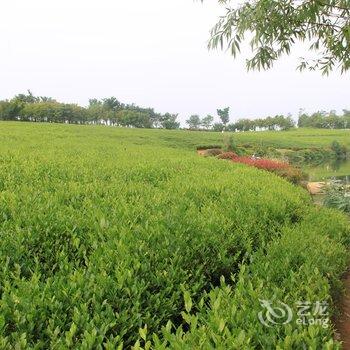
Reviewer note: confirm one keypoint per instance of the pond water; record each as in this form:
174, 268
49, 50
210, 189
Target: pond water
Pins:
336, 170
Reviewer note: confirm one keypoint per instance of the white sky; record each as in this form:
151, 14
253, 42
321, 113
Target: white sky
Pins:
150, 52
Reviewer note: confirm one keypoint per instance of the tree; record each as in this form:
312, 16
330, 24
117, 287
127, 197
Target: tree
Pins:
346, 118
107, 111
287, 123
134, 118
46, 99
112, 104
29, 98
94, 102
243, 125
275, 26
218, 127
168, 121
207, 122
9, 110
224, 115
194, 122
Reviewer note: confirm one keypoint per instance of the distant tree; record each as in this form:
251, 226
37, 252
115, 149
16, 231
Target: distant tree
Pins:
207, 122
288, 123
39, 112
270, 123
260, 123
94, 102
325, 120
224, 115
134, 118
275, 26
231, 127
317, 120
107, 111
194, 122
26, 98
283, 123
10, 110
112, 104
238, 125
95, 111
346, 118
218, 127
243, 124
303, 120
168, 121
46, 99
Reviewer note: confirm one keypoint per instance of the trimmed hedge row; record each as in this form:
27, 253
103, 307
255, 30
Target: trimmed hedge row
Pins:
304, 264
105, 242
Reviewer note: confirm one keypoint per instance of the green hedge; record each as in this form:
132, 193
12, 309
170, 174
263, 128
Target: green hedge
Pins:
105, 242
304, 264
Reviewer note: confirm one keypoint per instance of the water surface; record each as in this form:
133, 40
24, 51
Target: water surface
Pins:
336, 170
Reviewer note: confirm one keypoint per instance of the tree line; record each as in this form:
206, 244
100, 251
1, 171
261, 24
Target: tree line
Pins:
107, 111
279, 122
325, 120
110, 111
318, 120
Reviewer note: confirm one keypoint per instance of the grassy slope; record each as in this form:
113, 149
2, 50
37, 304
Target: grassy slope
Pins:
182, 139
103, 231
302, 138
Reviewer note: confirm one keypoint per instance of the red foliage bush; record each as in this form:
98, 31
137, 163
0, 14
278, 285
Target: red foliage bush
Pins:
265, 164
282, 169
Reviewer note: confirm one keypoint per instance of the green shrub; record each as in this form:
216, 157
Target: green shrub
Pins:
202, 147
292, 174
339, 150
338, 196
230, 145
108, 235
227, 155
312, 155
213, 152
261, 152
304, 264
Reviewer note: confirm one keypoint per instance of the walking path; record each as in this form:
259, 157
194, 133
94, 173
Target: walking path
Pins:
342, 323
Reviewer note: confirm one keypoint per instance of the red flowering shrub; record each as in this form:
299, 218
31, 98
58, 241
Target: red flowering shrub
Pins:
265, 164
279, 168
270, 165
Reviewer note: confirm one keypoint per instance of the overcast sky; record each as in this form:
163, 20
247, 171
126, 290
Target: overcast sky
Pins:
153, 53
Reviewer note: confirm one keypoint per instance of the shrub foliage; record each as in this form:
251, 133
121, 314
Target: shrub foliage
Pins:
108, 242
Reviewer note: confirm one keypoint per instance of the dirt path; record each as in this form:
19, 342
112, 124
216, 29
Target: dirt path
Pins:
342, 323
